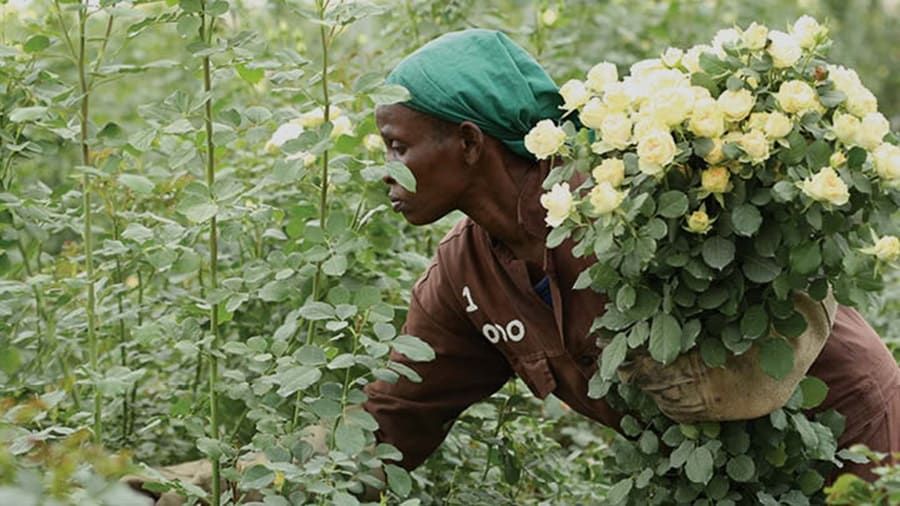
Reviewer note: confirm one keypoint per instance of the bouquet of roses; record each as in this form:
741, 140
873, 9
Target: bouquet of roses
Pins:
723, 189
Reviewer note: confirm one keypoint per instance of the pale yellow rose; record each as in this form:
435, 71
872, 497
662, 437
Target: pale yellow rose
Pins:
558, 203
645, 124
284, 133
715, 155
610, 170
316, 117
886, 159
341, 126
373, 142
691, 59
601, 75
671, 106
308, 158
755, 36
845, 128
574, 94
736, 105
752, 82
549, 17
797, 97
700, 93
656, 150
646, 67
593, 113
757, 120
872, 129
806, 31
784, 49
672, 57
886, 249
861, 101
777, 125
826, 186
698, 222
545, 139
755, 145
707, 119
616, 130
605, 198
837, 159
616, 96
725, 37
716, 179
844, 79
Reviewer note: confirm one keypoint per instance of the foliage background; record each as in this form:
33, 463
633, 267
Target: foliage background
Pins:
152, 300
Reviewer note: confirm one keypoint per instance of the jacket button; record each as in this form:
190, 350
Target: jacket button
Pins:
586, 360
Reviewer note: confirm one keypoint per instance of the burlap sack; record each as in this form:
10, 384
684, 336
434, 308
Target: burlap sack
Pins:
688, 390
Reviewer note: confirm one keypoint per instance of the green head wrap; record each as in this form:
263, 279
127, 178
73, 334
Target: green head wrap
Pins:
480, 76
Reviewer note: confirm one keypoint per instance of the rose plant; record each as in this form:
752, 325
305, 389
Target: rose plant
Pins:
723, 180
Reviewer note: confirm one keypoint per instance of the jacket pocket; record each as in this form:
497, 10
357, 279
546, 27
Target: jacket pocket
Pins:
536, 373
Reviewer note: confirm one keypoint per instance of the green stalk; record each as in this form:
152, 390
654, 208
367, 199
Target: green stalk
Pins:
123, 353
93, 343
206, 35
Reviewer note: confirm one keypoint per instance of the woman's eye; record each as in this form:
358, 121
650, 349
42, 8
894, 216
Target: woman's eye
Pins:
398, 148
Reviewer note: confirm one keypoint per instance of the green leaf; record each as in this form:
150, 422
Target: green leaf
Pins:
414, 348
256, 477
398, 480
251, 75
137, 183
856, 157
316, 310
718, 252
389, 94
36, 43
275, 291
776, 357
349, 439
23, 114
713, 352
746, 219
741, 468
806, 257
672, 204
335, 266
402, 175
814, 391
760, 270
811, 482
613, 356
755, 322
625, 297
665, 338
296, 378
792, 326
699, 466
619, 492
713, 65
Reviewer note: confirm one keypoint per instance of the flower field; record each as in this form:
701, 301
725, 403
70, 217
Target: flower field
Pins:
199, 261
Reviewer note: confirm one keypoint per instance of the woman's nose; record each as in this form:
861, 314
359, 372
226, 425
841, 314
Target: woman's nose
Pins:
388, 180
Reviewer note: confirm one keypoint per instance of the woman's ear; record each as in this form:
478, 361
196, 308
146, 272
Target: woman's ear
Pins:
472, 139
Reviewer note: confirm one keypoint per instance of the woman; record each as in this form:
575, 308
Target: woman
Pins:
495, 301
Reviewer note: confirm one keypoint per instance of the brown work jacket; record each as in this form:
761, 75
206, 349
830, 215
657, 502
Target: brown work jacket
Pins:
477, 307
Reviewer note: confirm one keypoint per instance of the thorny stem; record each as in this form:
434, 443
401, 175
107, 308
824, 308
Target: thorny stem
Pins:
206, 36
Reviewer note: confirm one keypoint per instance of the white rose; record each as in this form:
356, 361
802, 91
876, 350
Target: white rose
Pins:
757, 120
698, 222
373, 142
616, 96
549, 17
610, 170
646, 67
645, 124
844, 79
872, 129
837, 159
886, 249
806, 31
691, 59
656, 150
593, 113
755, 36
716, 179
784, 49
886, 159
671, 106
601, 75
726, 37
558, 203
736, 105
700, 93
715, 155
341, 126
574, 95
308, 158
861, 101
845, 128
672, 57
755, 145
797, 97
616, 130
316, 117
545, 139
604, 198
777, 125
284, 133
707, 119
826, 186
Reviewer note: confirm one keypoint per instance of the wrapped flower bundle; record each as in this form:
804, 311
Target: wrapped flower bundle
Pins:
717, 185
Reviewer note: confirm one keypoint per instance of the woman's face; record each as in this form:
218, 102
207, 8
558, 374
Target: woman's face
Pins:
433, 153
